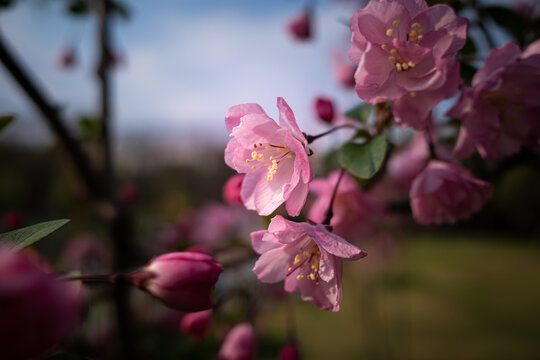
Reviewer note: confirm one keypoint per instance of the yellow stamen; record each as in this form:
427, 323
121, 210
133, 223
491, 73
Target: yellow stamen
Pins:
254, 167
383, 46
396, 23
420, 37
411, 64
413, 94
393, 52
389, 32
299, 277
270, 177
398, 67
392, 58
415, 25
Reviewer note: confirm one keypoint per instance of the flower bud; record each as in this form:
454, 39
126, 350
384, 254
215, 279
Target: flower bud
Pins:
231, 190
300, 26
196, 324
37, 310
344, 74
239, 344
289, 352
181, 280
67, 59
324, 109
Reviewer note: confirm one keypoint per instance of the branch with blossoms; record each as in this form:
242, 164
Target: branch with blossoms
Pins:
406, 61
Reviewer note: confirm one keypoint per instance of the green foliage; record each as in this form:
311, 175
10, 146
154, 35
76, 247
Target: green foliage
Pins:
29, 235
89, 127
5, 120
364, 160
359, 113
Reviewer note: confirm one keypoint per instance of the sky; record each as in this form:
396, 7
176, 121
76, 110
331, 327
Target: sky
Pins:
186, 63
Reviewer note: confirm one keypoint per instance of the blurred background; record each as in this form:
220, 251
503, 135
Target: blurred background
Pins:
468, 291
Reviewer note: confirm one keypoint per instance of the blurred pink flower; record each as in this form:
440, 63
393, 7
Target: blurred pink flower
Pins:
231, 190
405, 52
12, 220
289, 352
129, 193
308, 257
181, 280
37, 310
239, 344
446, 193
404, 166
324, 108
214, 224
274, 158
344, 71
300, 26
196, 324
67, 59
499, 112
87, 254
354, 211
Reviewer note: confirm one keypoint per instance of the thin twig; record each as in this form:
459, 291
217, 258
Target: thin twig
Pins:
311, 138
329, 212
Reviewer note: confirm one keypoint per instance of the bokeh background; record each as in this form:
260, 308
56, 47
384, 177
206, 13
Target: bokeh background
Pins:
469, 291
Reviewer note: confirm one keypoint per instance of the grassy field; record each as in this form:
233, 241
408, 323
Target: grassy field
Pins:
442, 298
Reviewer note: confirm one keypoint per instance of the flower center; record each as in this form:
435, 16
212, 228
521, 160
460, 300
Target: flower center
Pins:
413, 36
269, 156
310, 258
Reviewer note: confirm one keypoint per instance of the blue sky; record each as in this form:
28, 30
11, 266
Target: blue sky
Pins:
187, 62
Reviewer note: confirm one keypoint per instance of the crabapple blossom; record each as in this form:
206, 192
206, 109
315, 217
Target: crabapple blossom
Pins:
300, 26
37, 310
409, 162
446, 193
181, 280
354, 211
289, 352
231, 190
239, 344
324, 108
196, 324
499, 112
308, 257
273, 157
405, 52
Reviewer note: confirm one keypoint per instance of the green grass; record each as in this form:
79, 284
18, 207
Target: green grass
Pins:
442, 298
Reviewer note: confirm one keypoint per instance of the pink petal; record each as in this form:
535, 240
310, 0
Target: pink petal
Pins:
297, 199
272, 266
335, 245
288, 121
236, 112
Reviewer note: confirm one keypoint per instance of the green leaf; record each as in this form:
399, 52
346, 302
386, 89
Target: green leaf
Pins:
364, 160
89, 127
27, 236
359, 113
5, 120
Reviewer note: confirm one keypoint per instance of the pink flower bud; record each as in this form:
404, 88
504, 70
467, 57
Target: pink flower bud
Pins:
12, 220
289, 352
324, 109
37, 310
129, 194
181, 280
231, 190
344, 74
300, 26
239, 344
196, 324
67, 59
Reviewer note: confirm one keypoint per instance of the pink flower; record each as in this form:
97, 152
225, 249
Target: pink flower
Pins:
300, 26
499, 112
181, 280
354, 211
324, 108
37, 310
274, 158
405, 52
239, 344
289, 352
87, 254
231, 190
344, 72
214, 224
308, 257
409, 162
196, 324
446, 193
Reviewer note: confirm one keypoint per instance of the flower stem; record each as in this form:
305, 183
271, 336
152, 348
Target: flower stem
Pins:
311, 138
109, 278
329, 212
